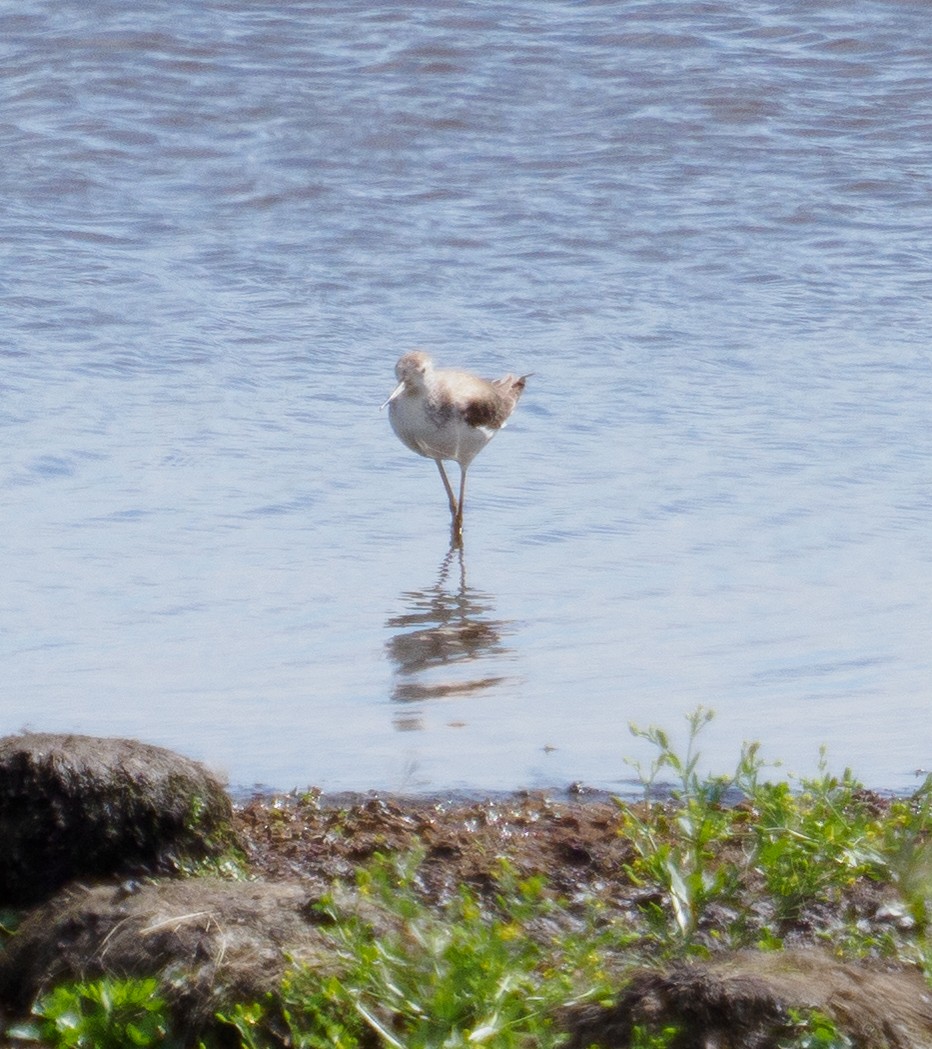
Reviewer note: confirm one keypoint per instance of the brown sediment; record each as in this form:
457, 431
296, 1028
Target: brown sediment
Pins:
575, 844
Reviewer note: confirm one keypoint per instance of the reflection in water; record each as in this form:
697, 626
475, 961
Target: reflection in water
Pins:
442, 629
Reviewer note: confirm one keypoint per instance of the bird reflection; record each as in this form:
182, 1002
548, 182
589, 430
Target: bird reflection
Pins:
442, 629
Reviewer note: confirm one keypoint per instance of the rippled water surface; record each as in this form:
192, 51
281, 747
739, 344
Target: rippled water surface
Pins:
704, 227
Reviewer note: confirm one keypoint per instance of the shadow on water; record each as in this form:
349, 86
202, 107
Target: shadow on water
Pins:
442, 629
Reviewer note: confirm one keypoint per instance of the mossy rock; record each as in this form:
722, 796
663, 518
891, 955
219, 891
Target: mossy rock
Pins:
745, 1001
87, 807
209, 943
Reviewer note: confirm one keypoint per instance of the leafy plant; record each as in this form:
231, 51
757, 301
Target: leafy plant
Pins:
459, 978
651, 1037
811, 1029
102, 1014
813, 843
907, 851
680, 845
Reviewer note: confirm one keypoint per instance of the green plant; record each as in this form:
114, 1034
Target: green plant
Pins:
812, 843
811, 1029
757, 848
907, 850
251, 1022
464, 976
650, 1037
101, 1014
680, 846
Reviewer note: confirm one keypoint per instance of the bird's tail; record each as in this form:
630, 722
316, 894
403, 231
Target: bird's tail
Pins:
513, 385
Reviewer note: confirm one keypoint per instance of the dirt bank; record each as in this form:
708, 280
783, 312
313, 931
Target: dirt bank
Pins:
213, 942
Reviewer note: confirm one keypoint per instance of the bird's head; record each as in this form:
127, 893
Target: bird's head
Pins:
410, 371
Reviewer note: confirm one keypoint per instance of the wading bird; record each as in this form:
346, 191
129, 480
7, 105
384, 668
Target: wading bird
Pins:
443, 413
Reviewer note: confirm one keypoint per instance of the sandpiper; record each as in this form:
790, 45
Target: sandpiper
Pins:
442, 413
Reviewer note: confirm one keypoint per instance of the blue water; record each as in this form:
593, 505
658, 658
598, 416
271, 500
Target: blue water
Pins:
704, 227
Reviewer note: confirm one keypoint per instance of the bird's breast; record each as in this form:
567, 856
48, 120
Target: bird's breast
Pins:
436, 428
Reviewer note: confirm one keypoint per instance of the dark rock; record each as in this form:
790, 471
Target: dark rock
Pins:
84, 807
742, 1002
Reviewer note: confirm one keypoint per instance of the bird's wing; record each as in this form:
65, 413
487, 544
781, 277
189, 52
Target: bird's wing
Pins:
481, 402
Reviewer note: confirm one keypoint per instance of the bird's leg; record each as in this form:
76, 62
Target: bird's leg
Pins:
446, 484
456, 534
458, 516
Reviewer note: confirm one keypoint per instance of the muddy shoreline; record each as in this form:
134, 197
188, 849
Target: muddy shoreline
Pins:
710, 914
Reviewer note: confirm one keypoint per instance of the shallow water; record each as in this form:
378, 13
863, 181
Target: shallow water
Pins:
704, 230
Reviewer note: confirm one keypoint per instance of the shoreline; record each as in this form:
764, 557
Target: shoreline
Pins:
587, 904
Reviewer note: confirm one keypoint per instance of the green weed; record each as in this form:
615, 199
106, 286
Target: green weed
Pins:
813, 843
751, 847
461, 977
101, 1014
466, 975
680, 845
811, 1029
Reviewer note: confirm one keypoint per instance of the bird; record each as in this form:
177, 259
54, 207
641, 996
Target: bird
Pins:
444, 413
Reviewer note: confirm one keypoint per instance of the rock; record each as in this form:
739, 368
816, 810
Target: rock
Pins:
741, 1002
210, 943
83, 807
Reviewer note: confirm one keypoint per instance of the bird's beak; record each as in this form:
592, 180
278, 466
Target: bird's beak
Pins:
395, 393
